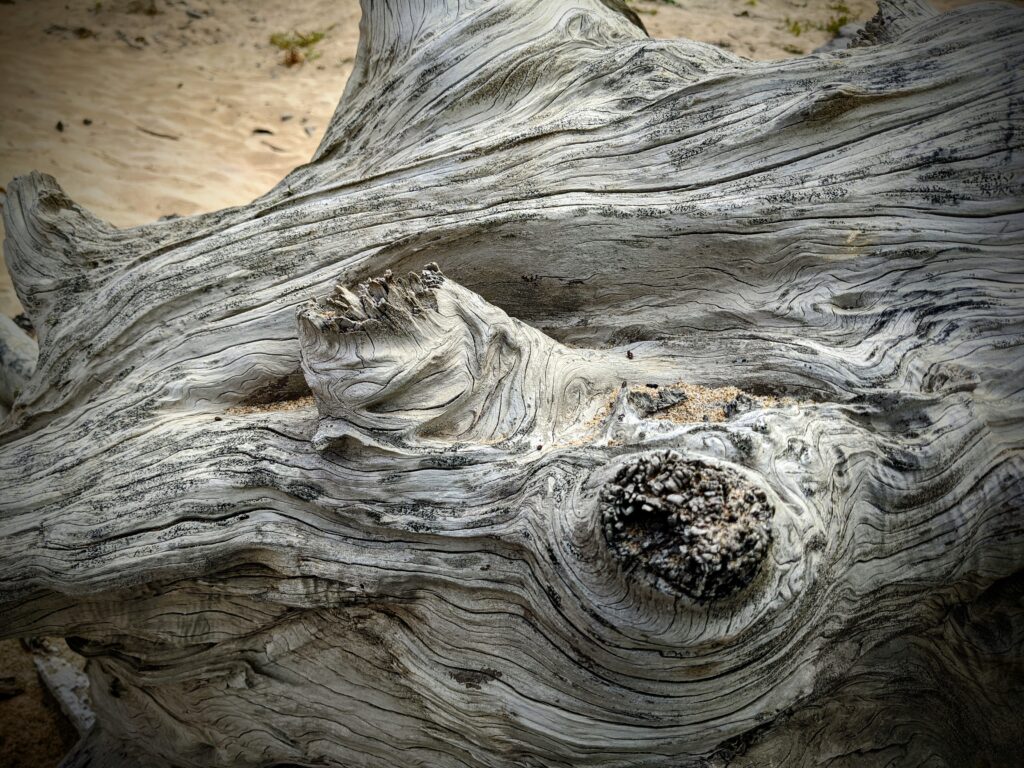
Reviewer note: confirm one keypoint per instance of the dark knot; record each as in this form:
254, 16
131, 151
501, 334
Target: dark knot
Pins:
696, 529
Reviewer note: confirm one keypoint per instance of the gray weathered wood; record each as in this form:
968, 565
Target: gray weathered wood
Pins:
299, 511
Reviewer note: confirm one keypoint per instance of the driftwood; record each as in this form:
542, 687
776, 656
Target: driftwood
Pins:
297, 509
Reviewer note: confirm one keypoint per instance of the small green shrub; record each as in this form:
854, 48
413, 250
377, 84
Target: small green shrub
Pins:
835, 23
838, 21
298, 47
795, 26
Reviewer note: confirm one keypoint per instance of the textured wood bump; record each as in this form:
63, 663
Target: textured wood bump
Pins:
699, 530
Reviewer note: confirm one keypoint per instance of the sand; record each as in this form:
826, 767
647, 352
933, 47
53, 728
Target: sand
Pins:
33, 731
190, 109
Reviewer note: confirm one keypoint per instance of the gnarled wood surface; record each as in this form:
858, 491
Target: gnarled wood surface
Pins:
299, 511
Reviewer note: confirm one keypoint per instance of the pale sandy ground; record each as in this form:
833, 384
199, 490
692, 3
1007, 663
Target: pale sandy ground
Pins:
173, 102
33, 731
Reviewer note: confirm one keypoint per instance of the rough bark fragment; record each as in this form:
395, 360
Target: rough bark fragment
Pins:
422, 361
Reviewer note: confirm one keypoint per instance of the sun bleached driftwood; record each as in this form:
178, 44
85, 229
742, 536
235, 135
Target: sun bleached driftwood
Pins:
701, 443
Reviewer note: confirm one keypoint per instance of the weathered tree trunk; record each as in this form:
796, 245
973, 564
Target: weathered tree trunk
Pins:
478, 518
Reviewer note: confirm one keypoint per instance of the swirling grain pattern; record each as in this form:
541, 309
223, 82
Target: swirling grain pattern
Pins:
301, 510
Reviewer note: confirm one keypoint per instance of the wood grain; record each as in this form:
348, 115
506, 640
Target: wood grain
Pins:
298, 511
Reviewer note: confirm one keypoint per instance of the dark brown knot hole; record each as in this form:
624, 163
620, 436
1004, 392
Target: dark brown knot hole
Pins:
694, 528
